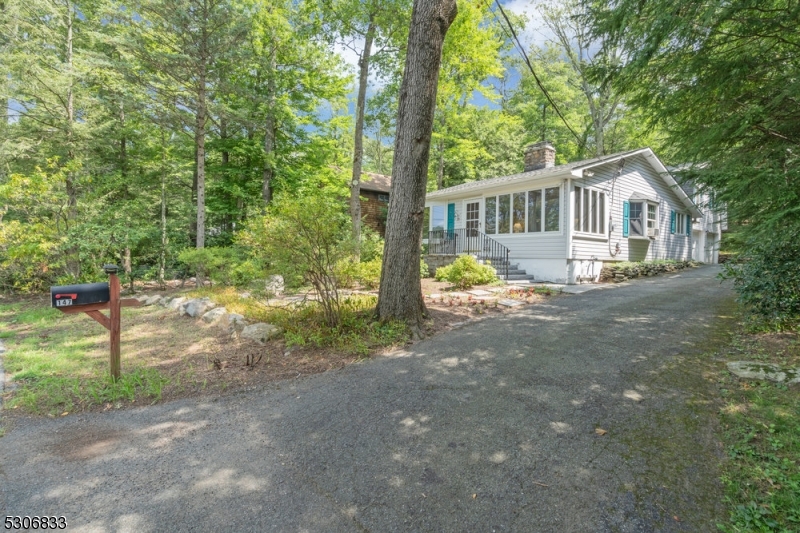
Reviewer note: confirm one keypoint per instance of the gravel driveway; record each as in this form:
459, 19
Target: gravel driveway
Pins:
490, 427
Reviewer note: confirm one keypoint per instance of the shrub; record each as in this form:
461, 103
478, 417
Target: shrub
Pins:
768, 280
369, 273
424, 269
216, 263
306, 237
371, 244
466, 272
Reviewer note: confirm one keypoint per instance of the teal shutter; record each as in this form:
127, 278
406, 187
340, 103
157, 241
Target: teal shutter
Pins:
626, 214
672, 221
688, 225
451, 217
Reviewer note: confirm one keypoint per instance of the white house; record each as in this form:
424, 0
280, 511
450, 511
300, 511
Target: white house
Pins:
561, 223
706, 230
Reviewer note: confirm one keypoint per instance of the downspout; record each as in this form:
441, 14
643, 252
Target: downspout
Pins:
570, 207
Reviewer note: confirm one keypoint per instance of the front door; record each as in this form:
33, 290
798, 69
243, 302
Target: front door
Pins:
473, 219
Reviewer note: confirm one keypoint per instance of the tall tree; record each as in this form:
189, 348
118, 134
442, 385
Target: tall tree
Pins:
183, 45
470, 57
361, 25
400, 294
721, 78
585, 52
49, 58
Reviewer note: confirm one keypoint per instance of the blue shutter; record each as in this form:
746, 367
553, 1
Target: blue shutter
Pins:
626, 214
451, 217
688, 225
672, 221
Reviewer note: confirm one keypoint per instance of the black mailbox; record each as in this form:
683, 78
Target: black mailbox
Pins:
87, 293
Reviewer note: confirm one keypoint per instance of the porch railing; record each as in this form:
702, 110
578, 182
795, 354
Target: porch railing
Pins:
469, 241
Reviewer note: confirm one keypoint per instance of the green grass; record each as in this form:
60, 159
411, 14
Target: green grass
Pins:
359, 333
50, 358
54, 394
761, 432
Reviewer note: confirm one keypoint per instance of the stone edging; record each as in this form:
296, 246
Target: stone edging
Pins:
203, 308
617, 274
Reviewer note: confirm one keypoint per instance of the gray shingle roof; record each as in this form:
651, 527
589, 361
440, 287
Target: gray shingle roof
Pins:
541, 173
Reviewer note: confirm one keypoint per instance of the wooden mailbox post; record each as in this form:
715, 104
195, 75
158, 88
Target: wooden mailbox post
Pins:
91, 298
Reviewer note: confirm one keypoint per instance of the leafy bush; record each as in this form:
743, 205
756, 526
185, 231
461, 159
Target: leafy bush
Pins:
371, 244
424, 269
307, 237
369, 273
768, 280
466, 272
214, 263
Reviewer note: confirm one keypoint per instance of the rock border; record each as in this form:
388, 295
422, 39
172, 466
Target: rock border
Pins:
618, 274
209, 312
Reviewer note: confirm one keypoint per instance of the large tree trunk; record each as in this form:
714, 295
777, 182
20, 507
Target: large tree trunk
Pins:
400, 295
358, 141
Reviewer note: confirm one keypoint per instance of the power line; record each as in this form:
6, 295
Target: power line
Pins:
521, 49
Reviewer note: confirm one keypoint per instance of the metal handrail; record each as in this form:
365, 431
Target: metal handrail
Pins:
469, 241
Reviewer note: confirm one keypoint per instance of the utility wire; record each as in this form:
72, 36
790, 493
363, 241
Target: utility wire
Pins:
521, 49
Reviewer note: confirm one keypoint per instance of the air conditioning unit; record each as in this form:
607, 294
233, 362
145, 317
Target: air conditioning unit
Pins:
652, 232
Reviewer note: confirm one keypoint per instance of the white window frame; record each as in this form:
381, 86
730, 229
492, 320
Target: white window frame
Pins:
596, 222
526, 196
646, 220
680, 224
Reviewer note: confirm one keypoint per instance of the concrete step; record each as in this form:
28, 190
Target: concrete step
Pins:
515, 277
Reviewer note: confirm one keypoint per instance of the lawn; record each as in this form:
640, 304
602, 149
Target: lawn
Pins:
760, 424
58, 363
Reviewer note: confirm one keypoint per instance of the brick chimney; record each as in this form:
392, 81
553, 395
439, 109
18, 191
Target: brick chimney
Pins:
540, 155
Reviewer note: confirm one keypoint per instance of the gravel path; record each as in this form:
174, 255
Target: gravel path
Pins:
492, 427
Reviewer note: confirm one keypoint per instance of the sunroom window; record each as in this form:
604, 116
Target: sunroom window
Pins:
590, 211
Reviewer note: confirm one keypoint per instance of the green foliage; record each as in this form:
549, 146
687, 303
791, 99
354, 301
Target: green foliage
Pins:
357, 332
465, 272
371, 244
720, 78
305, 239
424, 269
762, 439
223, 265
369, 273
768, 280
215, 263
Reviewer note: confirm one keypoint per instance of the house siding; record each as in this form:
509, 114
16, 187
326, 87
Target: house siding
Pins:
638, 177
541, 254
523, 246
571, 256
373, 211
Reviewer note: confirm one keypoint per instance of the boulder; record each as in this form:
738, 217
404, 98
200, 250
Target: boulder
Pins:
232, 323
176, 303
197, 307
152, 300
165, 301
215, 314
275, 284
261, 332
764, 371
